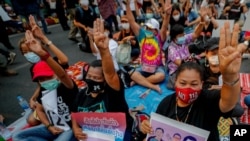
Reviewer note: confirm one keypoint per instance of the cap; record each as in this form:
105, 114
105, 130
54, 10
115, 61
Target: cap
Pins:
212, 43
153, 23
42, 69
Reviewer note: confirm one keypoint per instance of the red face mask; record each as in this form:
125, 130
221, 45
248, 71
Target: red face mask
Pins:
187, 95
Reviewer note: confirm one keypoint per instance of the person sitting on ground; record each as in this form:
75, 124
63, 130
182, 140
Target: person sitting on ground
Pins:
126, 35
202, 108
151, 41
104, 87
54, 115
32, 58
3, 66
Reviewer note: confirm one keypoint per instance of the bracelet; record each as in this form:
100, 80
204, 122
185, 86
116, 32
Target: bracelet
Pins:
45, 57
231, 83
49, 125
49, 43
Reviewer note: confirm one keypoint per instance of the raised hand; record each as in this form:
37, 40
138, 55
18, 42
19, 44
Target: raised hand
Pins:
168, 7
33, 44
230, 51
100, 39
36, 30
203, 13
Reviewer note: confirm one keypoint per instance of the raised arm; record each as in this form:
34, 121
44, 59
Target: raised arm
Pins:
36, 47
134, 26
102, 43
199, 28
230, 61
167, 9
37, 32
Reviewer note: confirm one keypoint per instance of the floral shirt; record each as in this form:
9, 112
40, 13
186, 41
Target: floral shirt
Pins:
176, 52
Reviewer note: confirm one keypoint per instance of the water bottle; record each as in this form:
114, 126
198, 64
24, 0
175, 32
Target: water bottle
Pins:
23, 103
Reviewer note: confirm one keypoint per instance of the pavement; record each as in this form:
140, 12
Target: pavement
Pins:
11, 87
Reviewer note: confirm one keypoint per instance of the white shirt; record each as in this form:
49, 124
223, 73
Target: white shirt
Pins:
4, 15
113, 45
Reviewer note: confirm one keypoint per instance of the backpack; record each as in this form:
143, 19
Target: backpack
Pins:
123, 53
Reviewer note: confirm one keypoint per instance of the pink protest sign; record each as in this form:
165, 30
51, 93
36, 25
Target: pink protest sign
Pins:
108, 123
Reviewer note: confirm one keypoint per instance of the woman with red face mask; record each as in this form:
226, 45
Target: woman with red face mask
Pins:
199, 107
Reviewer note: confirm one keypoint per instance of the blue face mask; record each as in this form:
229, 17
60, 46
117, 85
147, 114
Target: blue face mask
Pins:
32, 57
181, 40
50, 84
149, 15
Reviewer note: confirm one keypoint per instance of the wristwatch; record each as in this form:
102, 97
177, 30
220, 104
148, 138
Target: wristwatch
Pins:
247, 43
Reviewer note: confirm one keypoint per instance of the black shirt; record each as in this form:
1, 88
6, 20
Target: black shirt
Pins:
235, 12
205, 112
71, 3
108, 101
85, 17
181, 21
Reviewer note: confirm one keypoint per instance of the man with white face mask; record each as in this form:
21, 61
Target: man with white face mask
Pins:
84, 19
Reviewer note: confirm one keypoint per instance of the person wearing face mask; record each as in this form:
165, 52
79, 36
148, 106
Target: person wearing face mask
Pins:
178, 49
84, 18
235, 10
127, 35
104, 91
202, 108
151, 39
53, 79
112, 45
177, 17
33, 58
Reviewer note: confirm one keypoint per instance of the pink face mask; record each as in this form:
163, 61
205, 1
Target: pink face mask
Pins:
187, 95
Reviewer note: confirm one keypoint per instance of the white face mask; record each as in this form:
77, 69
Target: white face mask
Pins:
176, 17
214, 60
125, 25
207, 19
84, 2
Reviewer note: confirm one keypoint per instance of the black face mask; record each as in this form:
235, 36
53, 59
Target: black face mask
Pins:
94, 87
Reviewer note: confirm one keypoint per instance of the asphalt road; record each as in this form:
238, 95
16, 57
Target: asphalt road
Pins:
11, 87
21, 84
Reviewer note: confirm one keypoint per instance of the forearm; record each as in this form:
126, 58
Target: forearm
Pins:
214, 22
134, 26
41, 114
165, 26
229, 93
198, 31
78, 24
197, 20
75, 125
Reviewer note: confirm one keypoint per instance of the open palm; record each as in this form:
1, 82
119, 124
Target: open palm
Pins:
100, 39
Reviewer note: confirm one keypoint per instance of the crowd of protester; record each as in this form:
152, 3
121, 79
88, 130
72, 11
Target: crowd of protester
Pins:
160, 40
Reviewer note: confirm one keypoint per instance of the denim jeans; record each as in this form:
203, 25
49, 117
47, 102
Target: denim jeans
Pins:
41, 133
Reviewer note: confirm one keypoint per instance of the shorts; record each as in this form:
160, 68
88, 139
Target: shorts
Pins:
160, 69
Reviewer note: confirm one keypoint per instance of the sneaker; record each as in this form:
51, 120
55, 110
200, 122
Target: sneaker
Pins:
74, 39
12, 57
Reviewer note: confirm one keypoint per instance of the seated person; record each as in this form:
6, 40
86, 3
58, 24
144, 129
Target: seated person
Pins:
53, 79
151, 41
104, 88
193, 105
127, 35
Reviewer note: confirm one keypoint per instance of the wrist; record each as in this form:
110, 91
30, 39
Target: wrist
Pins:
49, 125
45, 56
230, 80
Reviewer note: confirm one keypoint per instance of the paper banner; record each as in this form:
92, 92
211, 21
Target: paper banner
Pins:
216, 32
168, 129
108, 123
96, 136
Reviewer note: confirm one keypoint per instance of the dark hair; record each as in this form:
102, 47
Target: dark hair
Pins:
109, 28
96, 63
190, 66
175, 6
160, 129
176, 30
177, 134
190, 138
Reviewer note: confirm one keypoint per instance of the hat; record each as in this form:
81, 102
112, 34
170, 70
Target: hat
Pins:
42, 69
212, 43
153, 24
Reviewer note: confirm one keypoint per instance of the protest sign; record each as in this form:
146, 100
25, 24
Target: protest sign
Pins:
96, 136
108, 123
